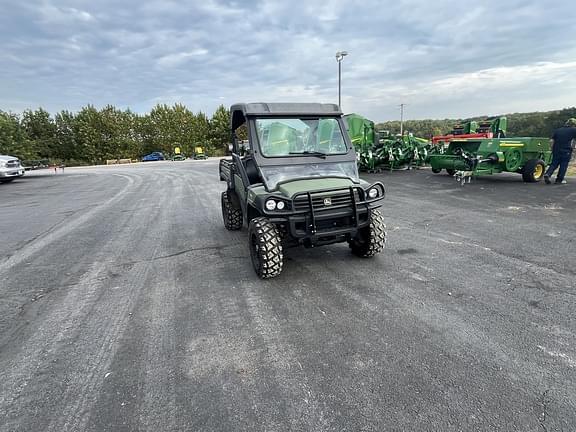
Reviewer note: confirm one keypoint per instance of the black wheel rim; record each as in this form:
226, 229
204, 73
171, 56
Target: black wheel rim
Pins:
255, 253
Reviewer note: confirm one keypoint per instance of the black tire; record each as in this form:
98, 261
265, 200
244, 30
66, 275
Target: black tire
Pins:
265, 248
436, 170
533, 170
370, 240
6, 180
231, 215
450, 172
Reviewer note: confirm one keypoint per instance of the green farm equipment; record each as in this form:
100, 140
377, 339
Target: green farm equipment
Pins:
378, 150
199, 153
468, 157
402, 151
362, 134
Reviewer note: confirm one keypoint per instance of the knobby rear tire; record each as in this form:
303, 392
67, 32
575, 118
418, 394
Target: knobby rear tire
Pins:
231, 215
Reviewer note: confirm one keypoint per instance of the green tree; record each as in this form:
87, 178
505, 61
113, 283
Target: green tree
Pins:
66, 147
41, 131
117, 137
170, 127
13, 138
88, 137
220, 135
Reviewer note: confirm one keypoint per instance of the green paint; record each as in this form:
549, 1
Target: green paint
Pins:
289, 189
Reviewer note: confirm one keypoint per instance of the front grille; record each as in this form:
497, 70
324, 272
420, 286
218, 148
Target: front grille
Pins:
13, 164
337, 199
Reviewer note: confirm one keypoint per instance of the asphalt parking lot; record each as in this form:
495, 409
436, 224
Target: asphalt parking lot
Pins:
126, 306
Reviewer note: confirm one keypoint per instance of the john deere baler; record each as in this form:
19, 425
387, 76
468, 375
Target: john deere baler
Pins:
479, 156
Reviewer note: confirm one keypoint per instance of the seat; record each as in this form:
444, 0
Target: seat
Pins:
252, 170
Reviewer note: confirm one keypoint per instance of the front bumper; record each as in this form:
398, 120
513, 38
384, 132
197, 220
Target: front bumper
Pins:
11, 172
312, 222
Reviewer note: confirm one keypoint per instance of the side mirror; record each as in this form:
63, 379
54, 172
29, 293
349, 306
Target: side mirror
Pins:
243, 147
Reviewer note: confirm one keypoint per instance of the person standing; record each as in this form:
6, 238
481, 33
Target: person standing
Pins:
563, 141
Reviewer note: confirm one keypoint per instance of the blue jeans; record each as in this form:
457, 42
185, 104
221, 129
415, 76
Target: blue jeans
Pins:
561, 159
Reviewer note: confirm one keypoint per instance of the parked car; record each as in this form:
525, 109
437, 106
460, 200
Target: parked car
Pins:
10, 168
154, 156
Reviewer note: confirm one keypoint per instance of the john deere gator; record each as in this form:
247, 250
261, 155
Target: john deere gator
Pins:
295, 183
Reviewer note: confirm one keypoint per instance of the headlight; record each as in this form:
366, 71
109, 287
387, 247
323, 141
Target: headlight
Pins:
270, 205
280, 205
2, 164
372, 193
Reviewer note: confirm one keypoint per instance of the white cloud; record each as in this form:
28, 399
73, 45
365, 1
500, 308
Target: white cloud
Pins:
485, 80
51, 14
177, 59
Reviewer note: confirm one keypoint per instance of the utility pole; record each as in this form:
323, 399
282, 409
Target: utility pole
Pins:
402, 105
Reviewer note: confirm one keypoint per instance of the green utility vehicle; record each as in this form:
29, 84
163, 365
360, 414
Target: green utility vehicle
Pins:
295, 183
469, 157
199, 153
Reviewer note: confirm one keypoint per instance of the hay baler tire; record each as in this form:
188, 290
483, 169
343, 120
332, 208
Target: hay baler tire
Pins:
451, 171
436, 170
533, 170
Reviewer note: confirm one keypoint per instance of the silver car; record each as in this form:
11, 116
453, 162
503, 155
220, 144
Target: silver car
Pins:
10, 168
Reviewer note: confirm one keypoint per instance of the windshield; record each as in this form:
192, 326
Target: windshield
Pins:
281, 137
276, 174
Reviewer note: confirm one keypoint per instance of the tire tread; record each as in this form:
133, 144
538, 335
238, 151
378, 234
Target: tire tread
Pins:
270, 247
528, 170
376, 231
232, 216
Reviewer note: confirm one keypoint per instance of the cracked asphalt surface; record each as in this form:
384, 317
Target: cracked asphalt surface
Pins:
126, 306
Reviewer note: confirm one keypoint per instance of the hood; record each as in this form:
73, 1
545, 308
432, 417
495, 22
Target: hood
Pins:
310, 185
8, 158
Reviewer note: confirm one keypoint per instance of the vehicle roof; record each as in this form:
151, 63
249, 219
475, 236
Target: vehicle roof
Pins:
261, 108
242, 110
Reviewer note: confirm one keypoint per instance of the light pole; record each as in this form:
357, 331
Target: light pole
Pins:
402, 105
339, 57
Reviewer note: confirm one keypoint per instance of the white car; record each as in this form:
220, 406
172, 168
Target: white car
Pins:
10, 168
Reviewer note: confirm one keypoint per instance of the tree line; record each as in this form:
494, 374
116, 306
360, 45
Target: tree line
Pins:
535, 124
91, 136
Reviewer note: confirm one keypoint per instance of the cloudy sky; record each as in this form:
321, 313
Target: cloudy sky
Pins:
442, 58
